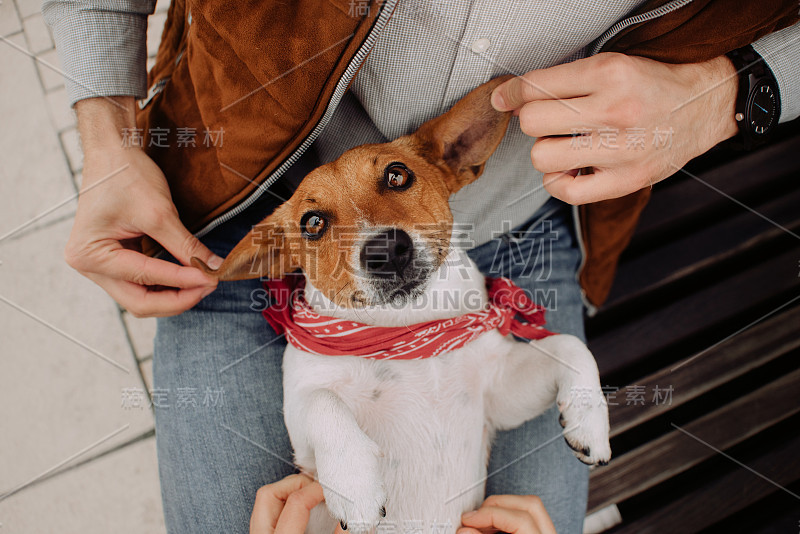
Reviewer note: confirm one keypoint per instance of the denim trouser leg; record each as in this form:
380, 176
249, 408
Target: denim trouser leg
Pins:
213, 458
221, 434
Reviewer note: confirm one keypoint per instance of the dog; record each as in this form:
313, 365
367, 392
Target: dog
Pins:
391, 439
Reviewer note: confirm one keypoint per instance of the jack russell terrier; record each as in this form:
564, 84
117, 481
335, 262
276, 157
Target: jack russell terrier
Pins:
388, 431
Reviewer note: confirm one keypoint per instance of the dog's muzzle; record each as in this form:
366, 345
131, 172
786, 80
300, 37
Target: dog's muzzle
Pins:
387, 255
394, 266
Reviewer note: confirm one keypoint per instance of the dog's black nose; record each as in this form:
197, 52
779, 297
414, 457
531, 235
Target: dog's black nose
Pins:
387, 253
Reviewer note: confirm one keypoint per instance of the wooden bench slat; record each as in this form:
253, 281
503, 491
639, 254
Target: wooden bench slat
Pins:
656, 330
705, 248
686, 199
671, 454
700, 268
697, 375
708, 504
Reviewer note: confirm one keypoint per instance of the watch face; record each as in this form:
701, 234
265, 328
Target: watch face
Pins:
763, 107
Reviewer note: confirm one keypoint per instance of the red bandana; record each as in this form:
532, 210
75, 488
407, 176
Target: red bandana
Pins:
309, 331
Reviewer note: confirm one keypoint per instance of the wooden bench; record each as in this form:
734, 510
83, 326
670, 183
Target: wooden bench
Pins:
706, 308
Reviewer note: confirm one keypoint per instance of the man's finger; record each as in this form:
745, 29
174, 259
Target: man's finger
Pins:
541, 118
142, 301
270, 501
504, 519
135, 267
554, 83
294, 517
173, 236
602, 184
553, 154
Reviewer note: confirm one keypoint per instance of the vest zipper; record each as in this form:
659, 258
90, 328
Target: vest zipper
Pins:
660, 11
596, 46
387, 7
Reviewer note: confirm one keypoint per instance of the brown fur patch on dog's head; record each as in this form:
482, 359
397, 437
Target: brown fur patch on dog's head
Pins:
321, 227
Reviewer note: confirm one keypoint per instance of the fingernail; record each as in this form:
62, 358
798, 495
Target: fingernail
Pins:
467, 515
214, 261
498, 102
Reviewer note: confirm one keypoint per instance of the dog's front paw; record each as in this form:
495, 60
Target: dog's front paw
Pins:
584, 417
353, 488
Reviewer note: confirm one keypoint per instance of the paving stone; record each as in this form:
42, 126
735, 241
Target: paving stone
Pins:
37, 34
9, 20
61, 113
147, 372
67, 365
155, 25
51, 79
28, 7
34, 177
117, 493
72, 146
142, 331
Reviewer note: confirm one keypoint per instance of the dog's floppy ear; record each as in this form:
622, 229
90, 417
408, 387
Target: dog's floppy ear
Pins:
263, 252
465, 137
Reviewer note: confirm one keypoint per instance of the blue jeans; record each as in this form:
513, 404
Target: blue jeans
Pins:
220, 432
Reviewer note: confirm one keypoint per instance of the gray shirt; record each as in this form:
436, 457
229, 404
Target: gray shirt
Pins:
431, 53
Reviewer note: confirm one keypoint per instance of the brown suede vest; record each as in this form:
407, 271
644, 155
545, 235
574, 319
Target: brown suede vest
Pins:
248, 83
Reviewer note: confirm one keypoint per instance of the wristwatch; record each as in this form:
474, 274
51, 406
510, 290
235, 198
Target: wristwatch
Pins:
758, 103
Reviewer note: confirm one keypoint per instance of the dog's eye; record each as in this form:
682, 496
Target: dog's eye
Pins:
398, 176
313, 225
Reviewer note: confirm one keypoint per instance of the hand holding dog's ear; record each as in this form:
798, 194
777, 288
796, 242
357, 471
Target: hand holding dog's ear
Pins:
125, 196
632, 120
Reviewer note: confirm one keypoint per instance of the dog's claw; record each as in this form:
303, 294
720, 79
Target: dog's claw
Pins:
383, 511
561, 420
343, 524
586, 451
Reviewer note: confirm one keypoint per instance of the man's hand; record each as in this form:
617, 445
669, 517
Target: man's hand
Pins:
124, 196
633, 121
284, 507
515, 514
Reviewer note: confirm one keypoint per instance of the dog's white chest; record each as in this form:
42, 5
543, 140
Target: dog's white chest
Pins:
426, 416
